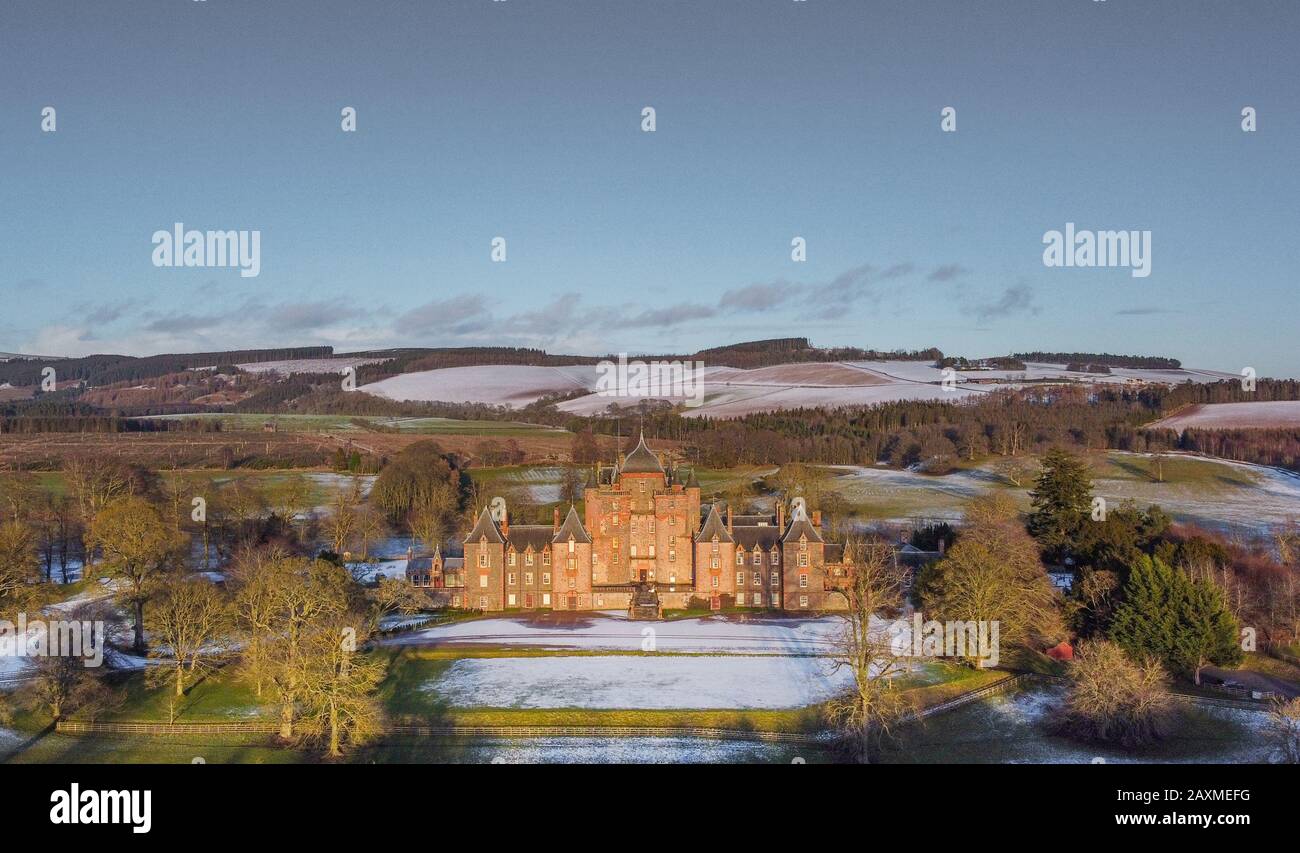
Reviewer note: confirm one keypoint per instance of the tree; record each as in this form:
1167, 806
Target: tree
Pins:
138, 548
1286, 728
343, 522
1113, 699
585, 450
866, 714
433, 514
1180, 621
188, 619
393, 595
370, 527
1062, 502
411, 479
64, 684
299, 593
19, 565
993, 574
338, 683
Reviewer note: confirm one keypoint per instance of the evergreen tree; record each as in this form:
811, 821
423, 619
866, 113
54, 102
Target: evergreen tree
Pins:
1182, 622
1062, 501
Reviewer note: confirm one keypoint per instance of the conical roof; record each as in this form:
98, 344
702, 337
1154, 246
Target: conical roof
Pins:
641, 460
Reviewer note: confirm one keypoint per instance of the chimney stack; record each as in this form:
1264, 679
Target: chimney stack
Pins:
817, 518
505, 524
729, 518
780, 515
555, 524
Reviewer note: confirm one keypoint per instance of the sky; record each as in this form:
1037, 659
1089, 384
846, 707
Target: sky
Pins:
774, 119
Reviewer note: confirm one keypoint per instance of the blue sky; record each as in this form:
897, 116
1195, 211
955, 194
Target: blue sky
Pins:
775, 119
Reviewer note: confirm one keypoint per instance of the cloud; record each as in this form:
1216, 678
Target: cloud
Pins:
459, 315
947, 272
1018, 299
672, 315
757, 297
1144, 311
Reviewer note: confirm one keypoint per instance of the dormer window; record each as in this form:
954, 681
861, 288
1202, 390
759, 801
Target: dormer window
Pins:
570, 543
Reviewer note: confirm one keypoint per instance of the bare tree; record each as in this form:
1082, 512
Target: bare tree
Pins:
339, 683
343, 521
865, 714
1286, 728
1113, 699
189, 618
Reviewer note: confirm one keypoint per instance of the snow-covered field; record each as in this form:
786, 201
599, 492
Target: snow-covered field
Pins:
1271, 414
635, 750
497, 384
608, 630
732, 392
649, 682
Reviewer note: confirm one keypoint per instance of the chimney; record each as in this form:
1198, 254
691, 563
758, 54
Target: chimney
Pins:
555, 524
817, 518
505, 524
729, 518
780, 515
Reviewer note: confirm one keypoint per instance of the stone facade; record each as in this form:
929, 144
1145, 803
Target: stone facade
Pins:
644, 527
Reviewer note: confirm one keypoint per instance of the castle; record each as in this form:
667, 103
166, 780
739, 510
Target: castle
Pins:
644, 545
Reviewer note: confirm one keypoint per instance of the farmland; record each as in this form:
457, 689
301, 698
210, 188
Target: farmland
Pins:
1272, 414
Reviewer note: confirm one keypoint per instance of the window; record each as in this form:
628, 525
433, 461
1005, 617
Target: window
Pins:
482, 581
672, 554
672, 578
803, 601
633, 549
715, 562
546, 599
511, 558
570, 544
758, 599
546, 557
482, 602
482, 560
715, 544
455, 601
600, 601
776, 557
740, 578
510, 578
652, 524
740, 558
651, 548
528, 578
528, 558
572, 565
715, 581
758, 578
803, 560
776, 579
803, 543
776, 600
510, 600
546, 578
803, 581
758, 557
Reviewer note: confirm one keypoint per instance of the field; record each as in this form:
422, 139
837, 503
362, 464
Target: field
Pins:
1272, 414
1230, 497
732, 392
